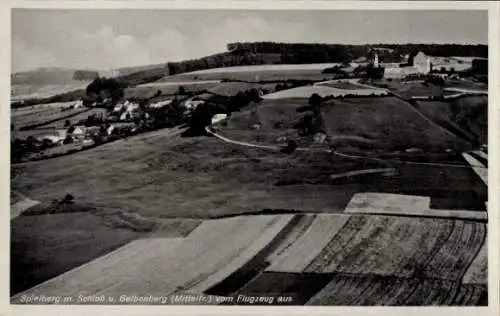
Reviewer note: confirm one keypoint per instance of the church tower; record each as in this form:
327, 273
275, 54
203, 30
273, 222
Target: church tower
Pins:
375, 61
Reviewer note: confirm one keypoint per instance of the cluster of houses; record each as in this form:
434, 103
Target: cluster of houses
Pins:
122, 112
78, 133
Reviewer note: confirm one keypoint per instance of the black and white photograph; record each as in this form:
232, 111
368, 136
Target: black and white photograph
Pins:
249, 157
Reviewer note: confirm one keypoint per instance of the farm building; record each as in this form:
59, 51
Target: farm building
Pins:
160, 104
78, 132
192, 104
218, 117
418, 64
421, 64
78, 104
55, 137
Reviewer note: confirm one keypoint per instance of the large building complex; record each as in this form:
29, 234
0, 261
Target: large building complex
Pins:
418, 64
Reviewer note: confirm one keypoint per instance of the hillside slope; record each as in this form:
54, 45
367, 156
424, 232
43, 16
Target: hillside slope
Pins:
391, 121
466, 116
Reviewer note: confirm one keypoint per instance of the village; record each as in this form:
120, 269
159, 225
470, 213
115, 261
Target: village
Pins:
136, 112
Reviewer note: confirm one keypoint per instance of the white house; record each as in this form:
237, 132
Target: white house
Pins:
218, 117
193, 104
78, 132
78, 104
160, 104
56, 137
110, 129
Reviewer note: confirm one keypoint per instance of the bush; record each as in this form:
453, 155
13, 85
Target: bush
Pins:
68, 140
68, 198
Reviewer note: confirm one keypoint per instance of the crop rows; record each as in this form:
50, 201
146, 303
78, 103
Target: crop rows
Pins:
458, 251
309, 246
391, 291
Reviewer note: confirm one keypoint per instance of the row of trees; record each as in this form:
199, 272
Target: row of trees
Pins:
288, 53
356, 51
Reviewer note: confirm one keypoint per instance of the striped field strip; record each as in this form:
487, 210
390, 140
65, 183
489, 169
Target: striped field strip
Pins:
478, 167
396, 204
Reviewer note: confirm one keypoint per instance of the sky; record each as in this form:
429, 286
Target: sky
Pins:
107, 39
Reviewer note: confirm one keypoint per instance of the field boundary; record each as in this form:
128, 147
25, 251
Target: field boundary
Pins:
34, 126
329, 151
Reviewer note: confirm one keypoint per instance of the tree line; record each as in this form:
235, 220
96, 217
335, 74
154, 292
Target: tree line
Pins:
259, 53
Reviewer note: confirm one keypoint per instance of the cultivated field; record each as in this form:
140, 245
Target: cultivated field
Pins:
321, 90
232, 88
191, 263
44, 116
331, 253
257, 73
344, 85
82, 115
168, 88
394, 204
34, 91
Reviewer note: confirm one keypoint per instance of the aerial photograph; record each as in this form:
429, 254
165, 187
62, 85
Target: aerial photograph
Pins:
249, 157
